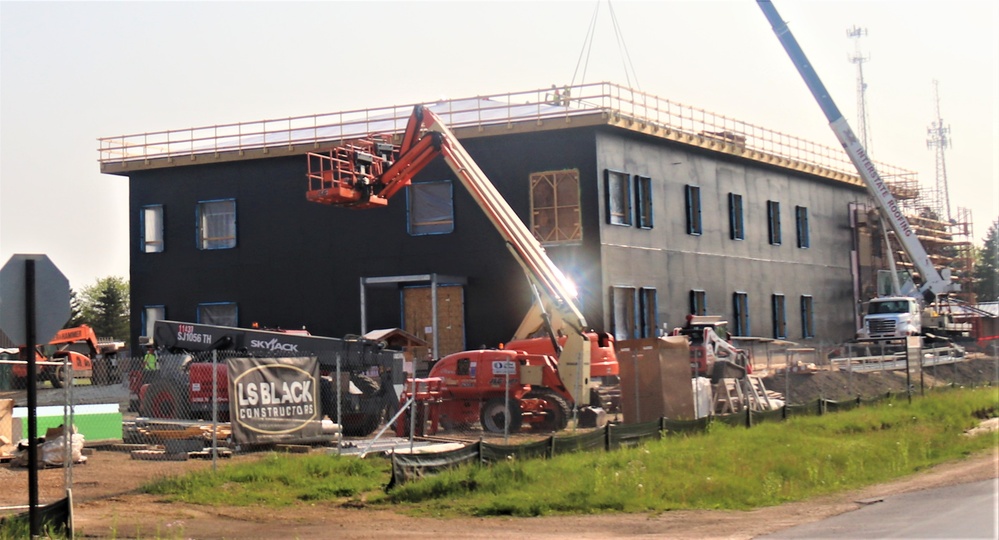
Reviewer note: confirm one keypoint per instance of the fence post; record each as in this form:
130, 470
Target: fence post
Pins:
506, 407
215, 409
67, 424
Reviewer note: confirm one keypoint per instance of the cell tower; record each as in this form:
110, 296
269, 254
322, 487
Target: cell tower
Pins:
938, 138
855, 34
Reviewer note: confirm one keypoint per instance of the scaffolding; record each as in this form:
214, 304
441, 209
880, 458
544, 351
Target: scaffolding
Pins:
948, 243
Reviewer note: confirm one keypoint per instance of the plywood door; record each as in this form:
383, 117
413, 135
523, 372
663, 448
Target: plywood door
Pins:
418, 316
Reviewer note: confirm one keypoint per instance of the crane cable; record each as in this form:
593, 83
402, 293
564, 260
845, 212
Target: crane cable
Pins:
587, 45
584, 53
623, 49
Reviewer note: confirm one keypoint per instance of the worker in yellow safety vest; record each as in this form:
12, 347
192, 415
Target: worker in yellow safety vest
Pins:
149, 362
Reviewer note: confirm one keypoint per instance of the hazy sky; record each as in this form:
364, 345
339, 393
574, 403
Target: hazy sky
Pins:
73, 72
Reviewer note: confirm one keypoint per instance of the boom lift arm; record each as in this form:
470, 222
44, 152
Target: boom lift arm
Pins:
344, 183
934, 283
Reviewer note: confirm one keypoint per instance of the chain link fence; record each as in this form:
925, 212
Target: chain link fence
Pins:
135, 425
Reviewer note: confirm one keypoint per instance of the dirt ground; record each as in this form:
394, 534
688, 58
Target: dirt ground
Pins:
107, 505
130, 515
807, 387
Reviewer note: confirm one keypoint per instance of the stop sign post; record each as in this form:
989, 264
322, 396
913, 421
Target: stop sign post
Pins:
34, 302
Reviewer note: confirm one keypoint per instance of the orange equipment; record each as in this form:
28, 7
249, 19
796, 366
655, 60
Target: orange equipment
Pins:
60, 348
366, 173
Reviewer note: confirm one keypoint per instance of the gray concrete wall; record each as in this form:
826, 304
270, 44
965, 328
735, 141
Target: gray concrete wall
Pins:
674, 262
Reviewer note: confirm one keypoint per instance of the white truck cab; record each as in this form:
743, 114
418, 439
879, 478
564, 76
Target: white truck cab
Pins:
891, 317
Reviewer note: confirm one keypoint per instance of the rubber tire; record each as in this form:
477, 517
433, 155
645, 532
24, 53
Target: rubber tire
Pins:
558, 418
494, 413
18, 383
101, 376
365, 427
55, 376
421, 422
327, 398
164, 399
365, 384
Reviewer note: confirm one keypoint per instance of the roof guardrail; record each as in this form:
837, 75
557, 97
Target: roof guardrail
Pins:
615, 101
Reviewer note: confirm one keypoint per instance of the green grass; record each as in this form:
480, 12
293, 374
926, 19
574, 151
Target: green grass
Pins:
725, 468
277, 480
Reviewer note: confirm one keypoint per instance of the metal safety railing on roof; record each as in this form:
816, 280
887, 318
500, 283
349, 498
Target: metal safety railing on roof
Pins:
617, 102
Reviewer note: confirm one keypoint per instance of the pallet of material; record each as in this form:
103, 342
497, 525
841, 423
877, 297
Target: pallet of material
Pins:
163, 455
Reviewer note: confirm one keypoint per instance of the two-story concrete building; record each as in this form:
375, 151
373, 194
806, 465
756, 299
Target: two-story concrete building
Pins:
654, 210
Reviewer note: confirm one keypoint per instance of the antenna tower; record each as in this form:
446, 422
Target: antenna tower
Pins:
938, 138
855, 34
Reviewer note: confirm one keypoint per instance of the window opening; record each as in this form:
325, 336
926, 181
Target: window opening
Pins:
779, 317
430, 208
773, 219
643, 200
618, 197
698, 302
151, 237
216, 224
736, 224
555, 215
693, 197
218, 313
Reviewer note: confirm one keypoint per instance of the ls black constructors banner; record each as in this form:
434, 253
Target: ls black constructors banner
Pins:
274, 399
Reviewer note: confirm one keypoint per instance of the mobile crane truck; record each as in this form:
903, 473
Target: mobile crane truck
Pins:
182, 386
888, 317
544, 388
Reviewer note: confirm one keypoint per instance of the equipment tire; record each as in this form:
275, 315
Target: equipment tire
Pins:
101, 375
367, 385
494, 416
556, 418
163, 399
421, 421
366, 426
55, 376
327, 398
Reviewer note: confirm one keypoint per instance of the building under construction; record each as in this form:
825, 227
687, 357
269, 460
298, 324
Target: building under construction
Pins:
655, 209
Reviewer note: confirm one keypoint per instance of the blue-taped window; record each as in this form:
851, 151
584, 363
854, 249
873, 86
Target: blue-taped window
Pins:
773, 222
151, 314
431, 208
555, 217
648, 305
643, 201
801, 220
779, 316
625, 313
218, 313
740, 307
807, 317
216, 226
698, 302
693, 198
618, 192
151, 224
736, 223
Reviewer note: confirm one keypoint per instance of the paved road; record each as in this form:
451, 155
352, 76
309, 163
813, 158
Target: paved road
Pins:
961, 511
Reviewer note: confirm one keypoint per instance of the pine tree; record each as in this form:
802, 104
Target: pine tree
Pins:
987, 267
104, 306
